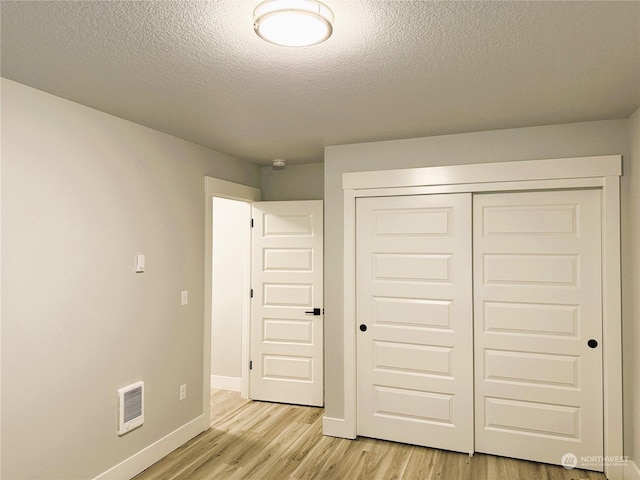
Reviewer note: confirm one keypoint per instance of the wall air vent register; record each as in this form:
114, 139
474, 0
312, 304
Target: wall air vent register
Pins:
130, 407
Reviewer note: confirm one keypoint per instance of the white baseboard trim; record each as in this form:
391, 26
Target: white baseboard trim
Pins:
219, 382
335, 427
631, 471
146, 457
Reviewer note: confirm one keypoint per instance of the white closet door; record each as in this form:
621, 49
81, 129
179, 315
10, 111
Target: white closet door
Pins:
287, 314
415, 361
537, 302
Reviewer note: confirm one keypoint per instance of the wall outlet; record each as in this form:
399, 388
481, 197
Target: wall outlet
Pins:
183, 391
184, 297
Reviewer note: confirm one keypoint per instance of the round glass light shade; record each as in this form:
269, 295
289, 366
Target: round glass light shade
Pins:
293, 23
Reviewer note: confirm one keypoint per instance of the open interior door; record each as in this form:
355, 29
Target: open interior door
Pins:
287, 306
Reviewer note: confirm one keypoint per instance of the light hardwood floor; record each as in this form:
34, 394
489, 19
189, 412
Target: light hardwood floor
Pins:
265, 441
223, 403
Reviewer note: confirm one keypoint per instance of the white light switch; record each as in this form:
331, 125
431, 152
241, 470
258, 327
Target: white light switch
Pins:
183, 391
139, 263
184, 297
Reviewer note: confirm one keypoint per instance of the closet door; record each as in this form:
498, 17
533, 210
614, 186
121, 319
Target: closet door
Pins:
538, 325
414, 311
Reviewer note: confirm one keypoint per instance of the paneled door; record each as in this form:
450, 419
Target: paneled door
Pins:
538, 325
414, 315
287, 305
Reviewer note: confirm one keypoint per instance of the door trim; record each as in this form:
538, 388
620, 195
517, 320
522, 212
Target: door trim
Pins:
214, 187
602, 172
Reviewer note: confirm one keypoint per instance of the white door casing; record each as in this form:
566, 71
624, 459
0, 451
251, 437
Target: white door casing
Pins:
287, 282
415, 363
220, 188
537, 303
598, 172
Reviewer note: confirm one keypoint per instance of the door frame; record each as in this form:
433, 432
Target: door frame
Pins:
214, 187
600, 172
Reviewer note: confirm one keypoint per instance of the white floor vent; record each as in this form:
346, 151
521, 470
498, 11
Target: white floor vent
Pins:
130, 407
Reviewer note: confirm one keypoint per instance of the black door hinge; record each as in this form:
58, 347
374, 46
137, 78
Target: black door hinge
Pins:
251, 293
252, 223
250, 364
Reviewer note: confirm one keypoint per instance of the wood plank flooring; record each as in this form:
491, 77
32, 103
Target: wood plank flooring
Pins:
223, 403
266, 441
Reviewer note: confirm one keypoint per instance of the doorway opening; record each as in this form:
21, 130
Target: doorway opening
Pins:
230, 284
217, 369
263, 325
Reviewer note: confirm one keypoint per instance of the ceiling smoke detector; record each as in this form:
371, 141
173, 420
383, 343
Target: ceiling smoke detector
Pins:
293, 23
279, 164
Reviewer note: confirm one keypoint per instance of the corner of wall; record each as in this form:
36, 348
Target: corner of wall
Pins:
631, 471
295, 182
0, 313
634, 304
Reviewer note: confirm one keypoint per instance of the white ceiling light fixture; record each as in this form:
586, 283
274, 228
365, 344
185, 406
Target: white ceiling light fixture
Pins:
293, 23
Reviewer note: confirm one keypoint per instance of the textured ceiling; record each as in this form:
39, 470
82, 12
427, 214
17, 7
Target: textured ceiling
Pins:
392, 69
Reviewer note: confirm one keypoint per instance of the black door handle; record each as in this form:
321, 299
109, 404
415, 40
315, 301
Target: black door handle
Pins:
592, 343
363, 328
315, 311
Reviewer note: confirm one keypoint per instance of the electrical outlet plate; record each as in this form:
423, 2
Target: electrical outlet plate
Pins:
184, 297
183, 391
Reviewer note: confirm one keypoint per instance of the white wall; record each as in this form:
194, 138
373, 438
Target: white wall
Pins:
83, 192
631, 306
296, 182
0, 303
229, 292
556, 141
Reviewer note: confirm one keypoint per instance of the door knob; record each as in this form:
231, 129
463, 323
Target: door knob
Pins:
592, 343
315, 311
363, 328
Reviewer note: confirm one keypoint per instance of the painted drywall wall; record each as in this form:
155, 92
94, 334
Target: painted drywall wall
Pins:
295, 182
631, 305
83, 192
230, 258
0, 300
556, 141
